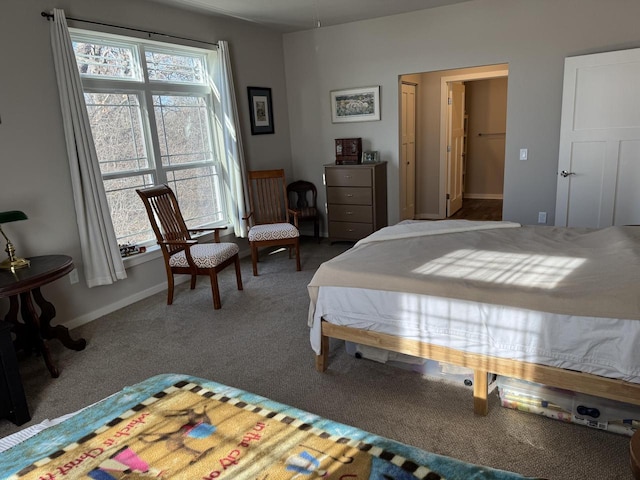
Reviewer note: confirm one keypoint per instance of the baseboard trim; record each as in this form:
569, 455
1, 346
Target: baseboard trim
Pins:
483, 196
112, 307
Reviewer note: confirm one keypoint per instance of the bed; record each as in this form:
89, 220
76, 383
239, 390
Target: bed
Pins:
551, 305
178, 426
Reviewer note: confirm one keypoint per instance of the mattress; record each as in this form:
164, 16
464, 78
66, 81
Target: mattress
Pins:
601, 346
560, 297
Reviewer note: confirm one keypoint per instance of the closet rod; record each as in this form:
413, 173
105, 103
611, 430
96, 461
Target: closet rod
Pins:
49, 16
487, 134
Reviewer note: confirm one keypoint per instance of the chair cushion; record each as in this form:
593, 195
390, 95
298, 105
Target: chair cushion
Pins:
205, 255
272, 231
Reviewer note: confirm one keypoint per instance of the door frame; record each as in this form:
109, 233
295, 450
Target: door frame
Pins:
403, 167
499, 72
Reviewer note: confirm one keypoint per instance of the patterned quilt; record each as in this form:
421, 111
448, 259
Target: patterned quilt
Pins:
176, 426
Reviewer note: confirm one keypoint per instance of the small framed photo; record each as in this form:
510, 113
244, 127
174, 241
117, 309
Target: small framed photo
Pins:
370, 157
260, 110
355, 105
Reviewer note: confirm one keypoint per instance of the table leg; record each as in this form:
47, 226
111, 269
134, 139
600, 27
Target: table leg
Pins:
31, 319
20, 329
47, 313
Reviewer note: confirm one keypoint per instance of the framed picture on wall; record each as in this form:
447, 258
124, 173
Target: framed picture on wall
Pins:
355, 105
260, 110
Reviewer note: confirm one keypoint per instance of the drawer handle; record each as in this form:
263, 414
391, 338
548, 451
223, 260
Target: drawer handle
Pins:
349, 194
349, 229
347, 176
348, 213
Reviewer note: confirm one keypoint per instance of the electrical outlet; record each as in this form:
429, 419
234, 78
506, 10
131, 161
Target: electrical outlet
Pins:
542, 217
73, 277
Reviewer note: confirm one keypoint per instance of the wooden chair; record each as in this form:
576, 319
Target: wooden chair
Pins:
269, 219
182, 254
305, 197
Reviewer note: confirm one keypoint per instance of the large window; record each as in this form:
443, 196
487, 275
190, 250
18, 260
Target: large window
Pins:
150, 110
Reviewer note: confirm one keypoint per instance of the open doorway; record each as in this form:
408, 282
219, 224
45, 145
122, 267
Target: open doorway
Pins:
474, 133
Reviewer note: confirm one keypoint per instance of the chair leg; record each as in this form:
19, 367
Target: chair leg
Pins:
316, 229
254, 259
193, 281
169, 288
238, 273
217, 304
298, 268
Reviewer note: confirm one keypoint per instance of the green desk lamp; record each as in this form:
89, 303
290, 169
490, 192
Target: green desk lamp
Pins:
12, 262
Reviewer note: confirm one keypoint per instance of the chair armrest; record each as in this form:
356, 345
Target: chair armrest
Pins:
247, 221
295, 216
187, 248
186, 243
215, 230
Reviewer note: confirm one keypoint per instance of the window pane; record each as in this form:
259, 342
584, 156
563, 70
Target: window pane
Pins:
130, 220
105, 60
183, 129
169, 67
116, 125
198, 193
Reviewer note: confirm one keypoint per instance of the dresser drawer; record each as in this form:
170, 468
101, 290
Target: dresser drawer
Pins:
345, 176
351, 213
349, 230
349, 195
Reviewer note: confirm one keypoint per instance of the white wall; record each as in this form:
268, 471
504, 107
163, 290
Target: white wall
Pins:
34, 174
532, 36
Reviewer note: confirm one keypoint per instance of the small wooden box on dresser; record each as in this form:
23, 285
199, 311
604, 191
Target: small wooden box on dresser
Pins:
356, 200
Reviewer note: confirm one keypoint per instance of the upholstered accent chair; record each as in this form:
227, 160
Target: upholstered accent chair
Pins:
183, 254
269, 221
303, 197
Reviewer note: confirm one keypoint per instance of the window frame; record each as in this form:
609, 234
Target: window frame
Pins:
145, 89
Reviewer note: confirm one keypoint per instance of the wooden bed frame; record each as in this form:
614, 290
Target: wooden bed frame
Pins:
482, 365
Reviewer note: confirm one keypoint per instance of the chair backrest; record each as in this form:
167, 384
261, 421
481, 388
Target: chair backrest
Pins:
268, 196
165, 216
301, 189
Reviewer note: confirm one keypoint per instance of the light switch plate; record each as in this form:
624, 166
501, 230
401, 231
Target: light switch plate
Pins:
524, 153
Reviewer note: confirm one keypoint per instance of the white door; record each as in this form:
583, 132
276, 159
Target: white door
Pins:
455, 147
408, 152
599, 157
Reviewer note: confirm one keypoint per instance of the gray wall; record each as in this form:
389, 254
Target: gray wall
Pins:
532, 36
34, 173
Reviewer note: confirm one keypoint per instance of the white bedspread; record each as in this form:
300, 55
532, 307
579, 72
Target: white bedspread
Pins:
474, 307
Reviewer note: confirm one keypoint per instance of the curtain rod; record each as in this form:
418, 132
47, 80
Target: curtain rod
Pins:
49, 16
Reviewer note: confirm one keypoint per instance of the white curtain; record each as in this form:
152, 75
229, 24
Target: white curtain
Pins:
100, 252
231, 139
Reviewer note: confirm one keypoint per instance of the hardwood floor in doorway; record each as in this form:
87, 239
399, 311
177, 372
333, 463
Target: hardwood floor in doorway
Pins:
477, 209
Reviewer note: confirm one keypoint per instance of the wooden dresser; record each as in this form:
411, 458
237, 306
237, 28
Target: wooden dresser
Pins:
356, 200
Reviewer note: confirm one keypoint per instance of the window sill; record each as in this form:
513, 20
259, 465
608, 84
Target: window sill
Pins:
152, 253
